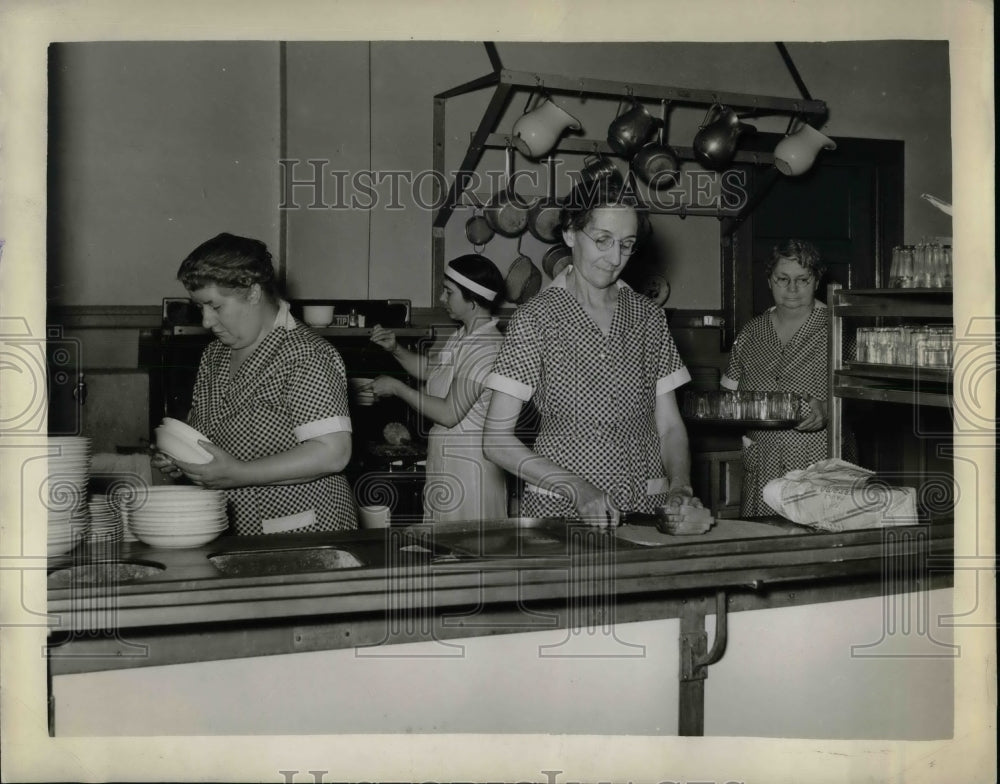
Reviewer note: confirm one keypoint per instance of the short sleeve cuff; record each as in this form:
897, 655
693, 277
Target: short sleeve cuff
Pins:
322, 427
509, 386
727, 383
670, 383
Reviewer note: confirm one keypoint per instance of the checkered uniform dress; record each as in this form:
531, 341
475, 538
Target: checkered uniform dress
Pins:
595, 394
292, 388
760, 362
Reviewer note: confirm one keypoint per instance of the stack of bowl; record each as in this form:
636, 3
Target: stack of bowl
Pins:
105, 522
177, 516
68, 475
180, 442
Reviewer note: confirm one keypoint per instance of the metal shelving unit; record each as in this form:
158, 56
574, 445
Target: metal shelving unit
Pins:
918, 386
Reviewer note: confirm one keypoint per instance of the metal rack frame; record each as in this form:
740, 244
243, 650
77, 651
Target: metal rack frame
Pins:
506, 83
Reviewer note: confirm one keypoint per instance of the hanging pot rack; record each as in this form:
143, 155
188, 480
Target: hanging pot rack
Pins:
506, 82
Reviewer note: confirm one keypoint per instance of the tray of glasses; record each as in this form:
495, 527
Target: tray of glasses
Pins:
744, 424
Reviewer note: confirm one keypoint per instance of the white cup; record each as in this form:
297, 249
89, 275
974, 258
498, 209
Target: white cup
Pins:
373, 516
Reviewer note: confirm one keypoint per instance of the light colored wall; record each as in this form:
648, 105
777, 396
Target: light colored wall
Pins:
789, 672
155, 147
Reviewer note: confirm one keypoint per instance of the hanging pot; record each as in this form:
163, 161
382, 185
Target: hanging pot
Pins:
478, 229
536, 132
631, 129
796, 153
543, 217
597, 167
523, 278
507, 214
556, 259
656, 164
715, 143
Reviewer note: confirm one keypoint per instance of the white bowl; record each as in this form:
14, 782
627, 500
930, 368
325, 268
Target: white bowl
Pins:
318, 315
181, 541
180, 447
183, 429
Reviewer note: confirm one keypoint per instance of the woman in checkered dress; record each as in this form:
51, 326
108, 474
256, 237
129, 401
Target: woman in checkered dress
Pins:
461, 483
270, 394
599, 363
784, 349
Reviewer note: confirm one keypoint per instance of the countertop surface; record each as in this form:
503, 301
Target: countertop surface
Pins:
241, 578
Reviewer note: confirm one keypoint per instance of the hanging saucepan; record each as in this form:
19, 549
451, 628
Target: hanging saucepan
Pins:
543, 217
596, 167
507, 214
631, 130
523, 278
556, 259
657, 164
478, 229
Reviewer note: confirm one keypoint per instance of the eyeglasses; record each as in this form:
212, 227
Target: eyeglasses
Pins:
783, 281
607, 242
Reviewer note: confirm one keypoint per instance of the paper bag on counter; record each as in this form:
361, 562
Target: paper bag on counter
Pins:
839, 496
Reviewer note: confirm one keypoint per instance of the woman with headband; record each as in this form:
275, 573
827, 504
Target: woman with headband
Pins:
461, 483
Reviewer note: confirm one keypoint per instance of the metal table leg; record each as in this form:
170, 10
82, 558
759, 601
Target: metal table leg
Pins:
695, 659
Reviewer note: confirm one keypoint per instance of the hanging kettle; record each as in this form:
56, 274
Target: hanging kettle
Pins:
796, 153
535, 133
715, 143
631, 129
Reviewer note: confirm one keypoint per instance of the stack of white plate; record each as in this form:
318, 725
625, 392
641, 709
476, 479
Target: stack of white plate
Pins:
177, 516
69, 472
180, 441
105, 522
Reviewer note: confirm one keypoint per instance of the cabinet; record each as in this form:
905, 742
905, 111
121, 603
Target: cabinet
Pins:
914, 447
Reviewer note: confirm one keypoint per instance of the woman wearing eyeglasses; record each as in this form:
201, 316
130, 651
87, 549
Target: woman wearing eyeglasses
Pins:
784, 349
599, 363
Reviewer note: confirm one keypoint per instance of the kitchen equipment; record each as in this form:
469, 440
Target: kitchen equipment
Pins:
556, 259
598, 167
318, 315
536, 132
177, 516
523, 279
478, 229
796, 153
543, 217
715, 143
65, 492
631, 129
656, 164
507, 214
374, 516
657, 288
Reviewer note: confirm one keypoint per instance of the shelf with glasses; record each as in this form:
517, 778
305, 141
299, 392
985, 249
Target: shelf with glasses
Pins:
915, 385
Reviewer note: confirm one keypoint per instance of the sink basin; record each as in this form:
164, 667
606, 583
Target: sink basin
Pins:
292, 560
103, 573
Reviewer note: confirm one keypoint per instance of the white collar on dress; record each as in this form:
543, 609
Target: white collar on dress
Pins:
484, 326
284, 319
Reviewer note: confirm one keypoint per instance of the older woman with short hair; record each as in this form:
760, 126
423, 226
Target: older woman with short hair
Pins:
600, 364
784, 349
271, 395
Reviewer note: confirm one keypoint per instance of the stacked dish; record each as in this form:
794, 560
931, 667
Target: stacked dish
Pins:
105, 522
69, 473
180, 442
177, 516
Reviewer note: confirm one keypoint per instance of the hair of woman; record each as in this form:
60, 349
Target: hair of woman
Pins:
230, 261
483, 272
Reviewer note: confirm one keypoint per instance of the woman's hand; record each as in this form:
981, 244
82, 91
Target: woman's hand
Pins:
223, 471
385, 386
679, 497
165, 465
383, 337
594, 506
817, 416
